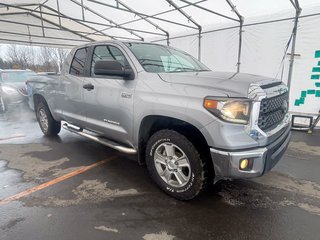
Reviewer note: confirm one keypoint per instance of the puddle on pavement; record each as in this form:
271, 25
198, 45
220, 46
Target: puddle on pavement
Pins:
89, 190
11, 180
303, 148
33, 168
273, 191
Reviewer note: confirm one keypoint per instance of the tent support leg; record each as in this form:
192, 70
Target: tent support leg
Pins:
58, 8
199, 45
43, 34
241, 20
293, 44
82, 9
240, 45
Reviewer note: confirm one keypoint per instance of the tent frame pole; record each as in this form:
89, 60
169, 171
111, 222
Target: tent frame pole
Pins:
241, 20
147, 20
107, 19
23, 42
82, 9
191, 20
80, 21
208, 10
143, 17
40, 36
58, 8
78, 33
142, 14
294, 37
40, 8
65, 28
75, 20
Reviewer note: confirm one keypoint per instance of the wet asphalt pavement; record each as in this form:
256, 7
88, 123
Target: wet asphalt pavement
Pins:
117, 200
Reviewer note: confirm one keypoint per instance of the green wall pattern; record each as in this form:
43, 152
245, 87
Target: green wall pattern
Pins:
315, 76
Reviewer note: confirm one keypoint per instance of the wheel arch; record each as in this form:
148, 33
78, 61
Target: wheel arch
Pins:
37, 98
153, 123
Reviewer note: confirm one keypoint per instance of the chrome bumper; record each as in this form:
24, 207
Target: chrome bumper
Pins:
226, 163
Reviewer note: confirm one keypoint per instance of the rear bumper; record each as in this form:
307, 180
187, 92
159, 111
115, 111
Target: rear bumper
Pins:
226, 163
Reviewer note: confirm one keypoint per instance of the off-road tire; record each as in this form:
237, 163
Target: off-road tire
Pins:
53, 127
199, 173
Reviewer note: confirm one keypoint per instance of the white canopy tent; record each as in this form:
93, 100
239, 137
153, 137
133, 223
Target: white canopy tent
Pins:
229, 35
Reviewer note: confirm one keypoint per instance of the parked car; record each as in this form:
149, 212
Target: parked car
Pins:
13, 87
191, 126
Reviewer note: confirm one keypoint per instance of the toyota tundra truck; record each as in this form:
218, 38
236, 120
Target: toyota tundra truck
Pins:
191, 126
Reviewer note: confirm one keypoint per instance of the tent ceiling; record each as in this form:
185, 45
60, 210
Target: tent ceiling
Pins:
72, 22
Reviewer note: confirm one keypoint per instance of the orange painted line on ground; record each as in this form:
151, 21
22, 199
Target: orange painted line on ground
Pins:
54, 181
11, 137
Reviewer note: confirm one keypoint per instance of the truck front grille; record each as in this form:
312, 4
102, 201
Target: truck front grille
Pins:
23, 91
272, 111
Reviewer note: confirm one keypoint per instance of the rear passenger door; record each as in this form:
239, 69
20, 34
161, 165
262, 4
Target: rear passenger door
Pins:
109, 105
72, 104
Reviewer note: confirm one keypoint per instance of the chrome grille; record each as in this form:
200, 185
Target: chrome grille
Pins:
23, 91
272, 111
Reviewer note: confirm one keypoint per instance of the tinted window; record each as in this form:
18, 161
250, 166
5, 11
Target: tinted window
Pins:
109, 53
77, 65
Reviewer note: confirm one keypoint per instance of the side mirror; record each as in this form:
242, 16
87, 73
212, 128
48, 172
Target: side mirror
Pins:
113, 68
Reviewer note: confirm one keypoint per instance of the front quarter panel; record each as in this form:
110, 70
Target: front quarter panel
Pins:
153, 96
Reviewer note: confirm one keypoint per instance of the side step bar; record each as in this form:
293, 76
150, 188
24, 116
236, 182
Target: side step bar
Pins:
97, 139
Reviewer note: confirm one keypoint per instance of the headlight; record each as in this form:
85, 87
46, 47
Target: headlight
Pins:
230, 110
8, 90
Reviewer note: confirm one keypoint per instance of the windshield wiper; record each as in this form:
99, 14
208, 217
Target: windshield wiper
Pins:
151, 64
190, 70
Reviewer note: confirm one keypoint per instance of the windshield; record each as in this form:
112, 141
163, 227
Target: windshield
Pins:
159, 59
16, 76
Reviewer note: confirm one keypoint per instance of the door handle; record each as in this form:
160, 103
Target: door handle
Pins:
88, 86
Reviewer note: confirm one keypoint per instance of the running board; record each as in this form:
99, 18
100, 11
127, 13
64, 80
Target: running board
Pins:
97, 139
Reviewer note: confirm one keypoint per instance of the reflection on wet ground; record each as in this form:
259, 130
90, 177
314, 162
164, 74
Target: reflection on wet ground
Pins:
117, 200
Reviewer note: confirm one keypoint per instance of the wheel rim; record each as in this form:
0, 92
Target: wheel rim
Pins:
43, 119
172, 165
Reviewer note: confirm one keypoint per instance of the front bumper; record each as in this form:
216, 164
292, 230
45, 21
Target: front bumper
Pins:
226, 163
14, 99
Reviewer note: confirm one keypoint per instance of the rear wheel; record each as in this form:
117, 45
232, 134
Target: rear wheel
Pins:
48, 125
175, 165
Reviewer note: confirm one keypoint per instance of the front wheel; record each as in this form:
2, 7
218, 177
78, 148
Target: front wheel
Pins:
175, 165
48, 125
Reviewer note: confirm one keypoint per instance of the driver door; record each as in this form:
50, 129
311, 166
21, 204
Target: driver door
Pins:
109, 102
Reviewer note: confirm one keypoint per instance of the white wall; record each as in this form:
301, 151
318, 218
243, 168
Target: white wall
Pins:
263, 50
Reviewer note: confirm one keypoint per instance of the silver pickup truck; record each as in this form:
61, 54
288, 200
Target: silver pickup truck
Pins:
191, 126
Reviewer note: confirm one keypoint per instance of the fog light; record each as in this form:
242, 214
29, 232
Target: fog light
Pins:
244, 164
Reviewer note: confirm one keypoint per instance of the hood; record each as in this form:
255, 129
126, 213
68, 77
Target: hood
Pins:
230, 84
19, 86
16, 85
